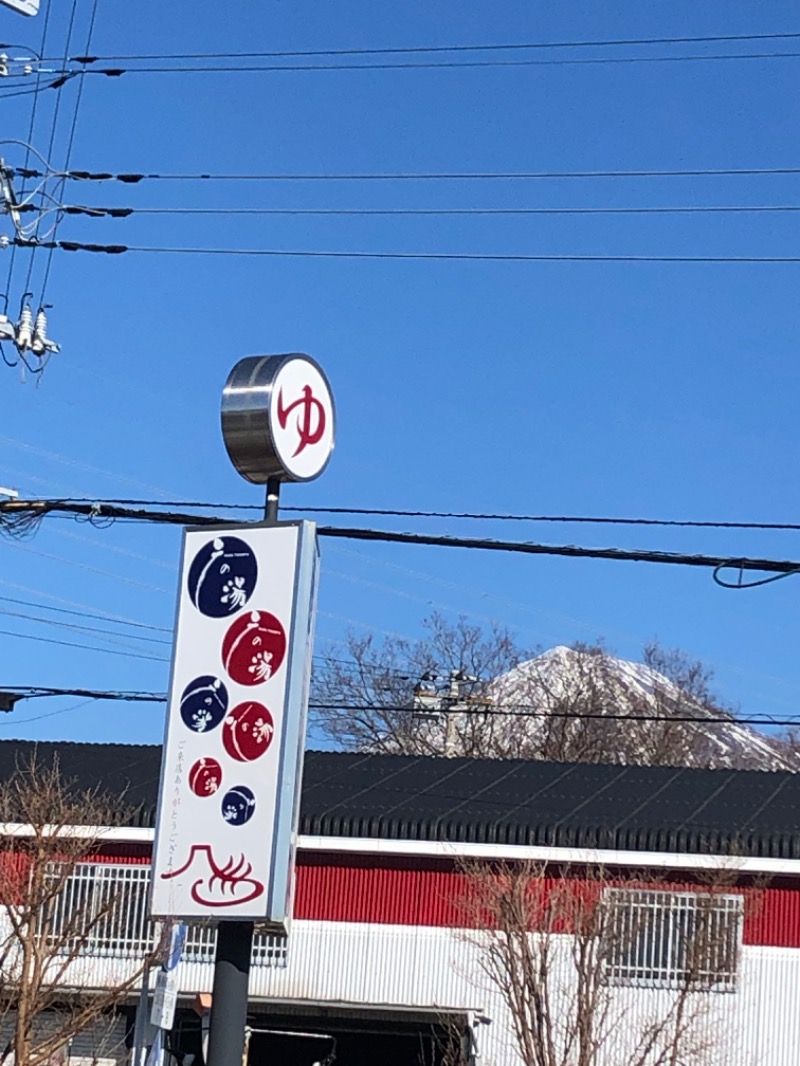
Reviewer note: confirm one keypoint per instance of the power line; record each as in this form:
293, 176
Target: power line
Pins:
14, 722
87, 614
51, 146
528, 711
84, 647
68, 155
509, 517
413, 49
509, 711
28, 513
503, 516
30, 692
420, 64
135, 178
126, 212
566, 550
28, 150
434, 64
500, 257
115, 638
121, 508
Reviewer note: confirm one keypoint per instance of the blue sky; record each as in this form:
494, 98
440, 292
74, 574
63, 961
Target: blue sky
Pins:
622, 389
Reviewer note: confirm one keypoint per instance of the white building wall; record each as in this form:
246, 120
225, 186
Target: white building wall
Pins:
437, 970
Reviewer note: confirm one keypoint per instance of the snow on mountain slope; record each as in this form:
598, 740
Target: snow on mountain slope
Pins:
565, 680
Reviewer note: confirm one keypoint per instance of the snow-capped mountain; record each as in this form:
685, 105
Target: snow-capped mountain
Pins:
567, 694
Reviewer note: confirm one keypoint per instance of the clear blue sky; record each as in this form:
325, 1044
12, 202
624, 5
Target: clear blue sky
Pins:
645, 389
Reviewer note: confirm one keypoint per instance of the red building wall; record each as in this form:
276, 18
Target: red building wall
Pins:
342, 887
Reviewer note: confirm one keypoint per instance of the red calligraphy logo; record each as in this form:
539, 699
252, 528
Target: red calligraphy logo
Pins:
311, 420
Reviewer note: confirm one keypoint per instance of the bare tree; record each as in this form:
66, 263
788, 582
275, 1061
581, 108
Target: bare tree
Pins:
466, 691
570, 955
367, 692
48, 829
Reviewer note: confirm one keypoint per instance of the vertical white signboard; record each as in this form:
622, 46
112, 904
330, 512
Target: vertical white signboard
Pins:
235, 723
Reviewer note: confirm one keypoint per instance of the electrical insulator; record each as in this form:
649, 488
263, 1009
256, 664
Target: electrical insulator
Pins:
40, 331
41, 342
25, 329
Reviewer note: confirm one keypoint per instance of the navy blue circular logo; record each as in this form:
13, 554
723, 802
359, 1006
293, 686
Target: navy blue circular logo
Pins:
238, 805
203, 703
222, 576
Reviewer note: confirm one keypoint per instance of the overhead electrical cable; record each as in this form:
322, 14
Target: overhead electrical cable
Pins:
113, 638
502, 516
534, 175
51, 143
511, 710
30, 692
27, 514
28, 150
483, 257
505, 516
424, 64
414, 49
87, 614
84, 647
694, 209
68, 155
50, 714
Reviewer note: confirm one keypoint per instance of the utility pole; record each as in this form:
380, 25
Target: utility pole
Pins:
450, 704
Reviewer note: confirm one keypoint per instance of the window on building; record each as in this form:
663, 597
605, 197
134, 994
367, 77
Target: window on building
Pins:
655, 939
102, 910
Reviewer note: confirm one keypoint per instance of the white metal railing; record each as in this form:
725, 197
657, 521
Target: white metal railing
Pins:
101, 911
657, 939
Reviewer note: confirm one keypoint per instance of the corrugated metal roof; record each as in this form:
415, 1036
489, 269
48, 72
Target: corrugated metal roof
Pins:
632, 808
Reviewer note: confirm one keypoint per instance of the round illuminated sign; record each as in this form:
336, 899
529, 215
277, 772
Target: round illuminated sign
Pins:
278, 418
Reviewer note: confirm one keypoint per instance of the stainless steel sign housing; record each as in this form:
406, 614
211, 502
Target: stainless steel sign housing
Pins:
278, 418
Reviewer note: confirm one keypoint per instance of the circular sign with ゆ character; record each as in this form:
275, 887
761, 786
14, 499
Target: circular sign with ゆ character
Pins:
254, 648
248, 731
204, 702
278, 418
222, 576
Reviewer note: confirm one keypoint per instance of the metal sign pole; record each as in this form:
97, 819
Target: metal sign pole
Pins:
228, 1023
229, 998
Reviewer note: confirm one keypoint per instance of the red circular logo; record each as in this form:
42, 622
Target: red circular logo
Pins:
205, 777
254, 647
248, 731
